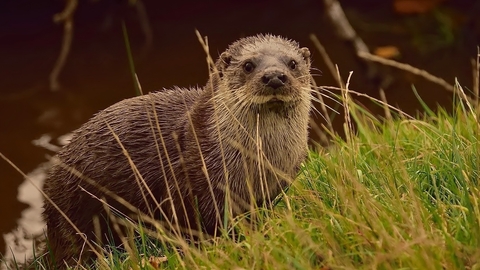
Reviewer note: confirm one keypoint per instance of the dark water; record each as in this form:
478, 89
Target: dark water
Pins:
97, 73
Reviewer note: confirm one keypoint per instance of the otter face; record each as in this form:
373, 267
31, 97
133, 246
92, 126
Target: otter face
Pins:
265, 71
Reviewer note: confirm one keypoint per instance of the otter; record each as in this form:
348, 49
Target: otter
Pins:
186, 156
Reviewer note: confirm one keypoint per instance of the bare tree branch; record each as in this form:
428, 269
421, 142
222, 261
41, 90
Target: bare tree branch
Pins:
345, 31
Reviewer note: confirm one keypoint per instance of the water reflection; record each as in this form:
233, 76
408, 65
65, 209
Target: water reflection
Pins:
26, 239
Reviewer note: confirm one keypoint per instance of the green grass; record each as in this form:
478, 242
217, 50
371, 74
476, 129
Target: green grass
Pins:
399, 195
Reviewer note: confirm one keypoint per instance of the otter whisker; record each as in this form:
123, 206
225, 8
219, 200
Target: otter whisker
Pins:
334, 98
327, 89
331, 109
315, 110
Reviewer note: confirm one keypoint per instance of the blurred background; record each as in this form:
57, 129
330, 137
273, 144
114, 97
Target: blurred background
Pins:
438, 36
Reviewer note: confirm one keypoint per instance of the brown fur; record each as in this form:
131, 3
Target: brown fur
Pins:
252, 139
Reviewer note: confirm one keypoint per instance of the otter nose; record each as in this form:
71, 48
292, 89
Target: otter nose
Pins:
274, 79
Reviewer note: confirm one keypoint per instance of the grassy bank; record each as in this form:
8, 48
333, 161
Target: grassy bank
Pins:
398, 194
402, 193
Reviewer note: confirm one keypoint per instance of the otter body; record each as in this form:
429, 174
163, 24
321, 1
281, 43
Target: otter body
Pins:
178, 155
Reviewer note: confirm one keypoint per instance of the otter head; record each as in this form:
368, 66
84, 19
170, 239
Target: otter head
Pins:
265, 73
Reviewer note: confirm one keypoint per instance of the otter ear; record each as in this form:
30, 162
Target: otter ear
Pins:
223, 62
305, 54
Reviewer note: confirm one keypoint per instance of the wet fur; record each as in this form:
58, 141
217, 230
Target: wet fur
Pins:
249, 146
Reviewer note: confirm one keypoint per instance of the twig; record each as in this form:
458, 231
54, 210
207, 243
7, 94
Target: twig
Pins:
66, 16
408, 68
370, 98
416, 71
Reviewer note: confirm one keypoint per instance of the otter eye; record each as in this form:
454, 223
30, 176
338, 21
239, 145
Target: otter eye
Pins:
292, 64
248, 67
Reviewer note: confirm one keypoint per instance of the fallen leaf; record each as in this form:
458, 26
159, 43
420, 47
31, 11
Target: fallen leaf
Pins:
157, 261
388, 52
